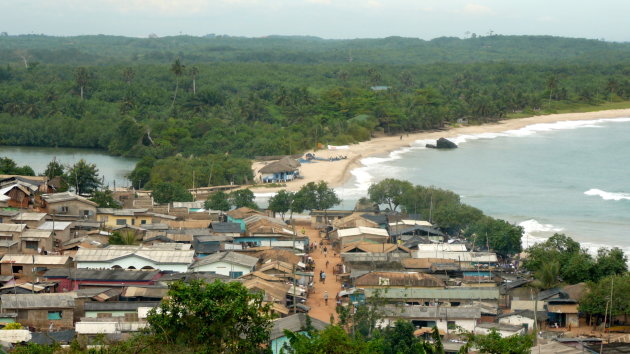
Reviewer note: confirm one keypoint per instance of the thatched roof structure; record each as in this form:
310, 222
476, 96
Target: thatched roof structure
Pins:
286, 164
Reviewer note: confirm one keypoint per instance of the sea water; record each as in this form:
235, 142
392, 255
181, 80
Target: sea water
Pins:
571, 177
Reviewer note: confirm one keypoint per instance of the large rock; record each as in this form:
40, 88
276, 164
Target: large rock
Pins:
443, 143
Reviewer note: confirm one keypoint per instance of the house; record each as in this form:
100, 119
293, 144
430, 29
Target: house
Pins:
231, 264
355, 220
369, 234
175, 257
425, 264
30, 265
297, 323
9, 246
73, 279
445, 318
31, 220
41, 311
205, 245
563, 312
284, 170
404, 232
111, 218
11, 231
453, 296
144, 293
6, 215
231, 229
16, 196
240, 214
382, 280
505, 330
323, 218
70, 205
466, 260
528, 300
368, 247
36, 241
524, 318
61, 229
274, 293
109, 309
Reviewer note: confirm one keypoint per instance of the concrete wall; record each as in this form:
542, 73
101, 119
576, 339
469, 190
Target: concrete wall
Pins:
85, 327
526, 305
75, 207
222, 268
15, 335
94, 314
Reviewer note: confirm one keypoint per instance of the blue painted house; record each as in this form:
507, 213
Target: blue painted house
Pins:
280, 171
294, 323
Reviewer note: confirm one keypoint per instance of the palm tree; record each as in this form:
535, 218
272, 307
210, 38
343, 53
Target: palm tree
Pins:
194, 71
82, 76
552, 84
178, 69
128, 74
548, 274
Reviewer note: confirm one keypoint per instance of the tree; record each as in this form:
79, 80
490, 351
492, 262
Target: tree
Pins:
194, 71
177, 68
128, 75
499, 235
167, 192
9, 167
243, 198
610, 262
53, 169
123, 238
105, 199
548, 274
218, 201
493, 343
82, 77
218, 317
595, 300
315, 196
83, 177
332, 340
389, 191
281, 202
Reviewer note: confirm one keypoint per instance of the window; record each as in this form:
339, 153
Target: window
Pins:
121, 222
54, 315
235, 275
451, 325
86, 213
143, 222
31, 245
133, 221
383, 281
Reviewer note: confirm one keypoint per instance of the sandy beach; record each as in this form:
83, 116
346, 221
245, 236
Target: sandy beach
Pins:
337, 173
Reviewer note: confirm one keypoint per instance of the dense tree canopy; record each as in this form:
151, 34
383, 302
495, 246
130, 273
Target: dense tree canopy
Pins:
83, 177
9, 167
165, 192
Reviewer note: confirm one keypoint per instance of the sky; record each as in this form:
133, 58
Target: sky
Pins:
426, 19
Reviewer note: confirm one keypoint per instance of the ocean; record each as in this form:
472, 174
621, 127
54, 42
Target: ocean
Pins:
571, 177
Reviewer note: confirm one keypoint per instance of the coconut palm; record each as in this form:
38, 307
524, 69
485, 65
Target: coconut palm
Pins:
178, 69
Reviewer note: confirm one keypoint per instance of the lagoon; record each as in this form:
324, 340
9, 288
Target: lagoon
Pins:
113, 169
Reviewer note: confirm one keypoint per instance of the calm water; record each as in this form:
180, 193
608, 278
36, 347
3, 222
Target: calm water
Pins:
111, 168
572, 177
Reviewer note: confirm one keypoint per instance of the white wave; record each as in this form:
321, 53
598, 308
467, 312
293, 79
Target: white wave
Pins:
607, 195
364, 178
534, 232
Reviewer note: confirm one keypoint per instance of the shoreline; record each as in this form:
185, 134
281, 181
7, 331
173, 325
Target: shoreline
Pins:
337, 173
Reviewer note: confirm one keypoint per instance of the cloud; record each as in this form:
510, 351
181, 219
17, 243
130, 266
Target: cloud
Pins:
170, 7
477, 9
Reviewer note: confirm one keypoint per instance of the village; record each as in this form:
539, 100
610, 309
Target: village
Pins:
62, 278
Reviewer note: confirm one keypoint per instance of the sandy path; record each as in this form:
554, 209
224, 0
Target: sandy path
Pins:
315, 300
337, 172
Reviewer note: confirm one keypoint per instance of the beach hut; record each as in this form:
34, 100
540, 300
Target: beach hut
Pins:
286, 169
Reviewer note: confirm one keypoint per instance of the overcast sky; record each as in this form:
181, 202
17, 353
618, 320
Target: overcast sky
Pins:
425, 19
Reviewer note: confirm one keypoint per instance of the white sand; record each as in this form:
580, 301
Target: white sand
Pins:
337, 172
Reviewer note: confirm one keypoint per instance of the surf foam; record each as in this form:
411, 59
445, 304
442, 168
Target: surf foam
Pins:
607, 195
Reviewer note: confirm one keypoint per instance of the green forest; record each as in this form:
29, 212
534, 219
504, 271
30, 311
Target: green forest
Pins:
212, 101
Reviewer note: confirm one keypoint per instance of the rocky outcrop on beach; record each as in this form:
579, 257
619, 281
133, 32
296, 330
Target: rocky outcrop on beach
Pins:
442, 143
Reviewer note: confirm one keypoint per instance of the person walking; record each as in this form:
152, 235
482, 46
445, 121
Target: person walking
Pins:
323, 277
327, 263
326, 297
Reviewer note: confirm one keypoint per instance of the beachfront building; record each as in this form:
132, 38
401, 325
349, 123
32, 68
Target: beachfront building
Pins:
284, 170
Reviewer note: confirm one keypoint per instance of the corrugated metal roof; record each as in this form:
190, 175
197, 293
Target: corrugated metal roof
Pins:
226, 227
362, 230
399, 279
29, 217
228, 257
428, 293
482, 257
34, 259
12, 227
58, 225
442, 247
66, 196
36, 234
114, 275
154, 254
432, 312
33, 301
119, 305
294, 323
